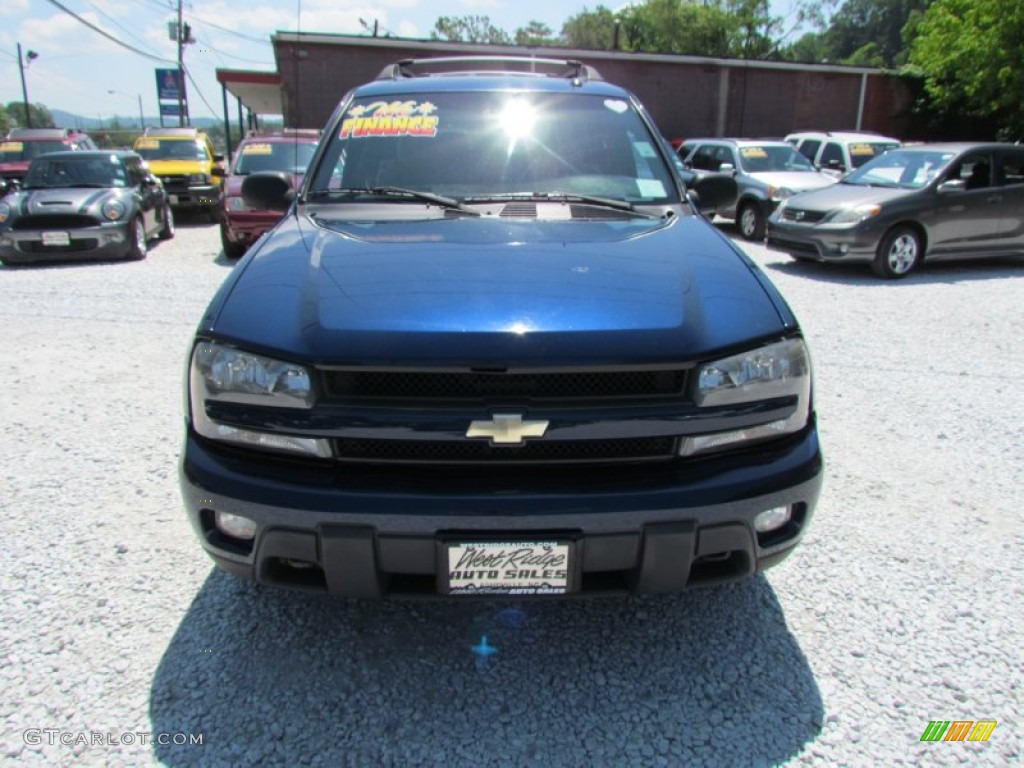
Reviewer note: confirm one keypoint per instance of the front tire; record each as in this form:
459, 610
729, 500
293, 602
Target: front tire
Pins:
167, 226
751, 221
137, 248
898, 254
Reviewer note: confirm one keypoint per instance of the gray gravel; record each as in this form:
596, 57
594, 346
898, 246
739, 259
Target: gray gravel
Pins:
903, 605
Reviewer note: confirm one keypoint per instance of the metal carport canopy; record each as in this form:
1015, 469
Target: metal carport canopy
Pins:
258, 92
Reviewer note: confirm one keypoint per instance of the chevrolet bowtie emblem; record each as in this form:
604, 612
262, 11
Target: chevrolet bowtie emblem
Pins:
507, 429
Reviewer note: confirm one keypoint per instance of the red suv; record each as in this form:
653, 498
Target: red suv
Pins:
22, 144
287, 152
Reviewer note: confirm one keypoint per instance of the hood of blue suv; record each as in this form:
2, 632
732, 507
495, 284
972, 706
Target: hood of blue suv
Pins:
465, 291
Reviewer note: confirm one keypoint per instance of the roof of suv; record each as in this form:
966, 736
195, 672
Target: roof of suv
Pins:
842, 135
30, 134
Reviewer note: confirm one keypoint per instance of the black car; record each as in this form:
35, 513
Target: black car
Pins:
492, 348
94, 204
929, 202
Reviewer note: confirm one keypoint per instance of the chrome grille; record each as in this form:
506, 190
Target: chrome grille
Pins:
801, 216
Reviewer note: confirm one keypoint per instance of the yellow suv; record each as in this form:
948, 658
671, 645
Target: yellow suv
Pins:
184, 159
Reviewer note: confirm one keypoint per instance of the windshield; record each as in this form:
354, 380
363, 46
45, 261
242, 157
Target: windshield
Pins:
905, 169
771, 157
65, 171
179, 149
494, 144
292, 157
20, 151
865, 151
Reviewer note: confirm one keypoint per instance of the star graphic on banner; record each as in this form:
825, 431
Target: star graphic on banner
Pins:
426, 108
357, 111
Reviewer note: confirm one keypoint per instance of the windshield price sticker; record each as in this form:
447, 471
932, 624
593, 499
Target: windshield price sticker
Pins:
395, 118
861, 149
753, 152
508, 568
11, 146
147, 144
257, 149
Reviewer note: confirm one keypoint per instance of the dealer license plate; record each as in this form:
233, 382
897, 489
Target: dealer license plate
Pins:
173, 199
509, 567
56, 238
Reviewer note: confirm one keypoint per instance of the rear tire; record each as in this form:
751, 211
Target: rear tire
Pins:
750, 221
167, 226
137, 247
898, 254
231, 250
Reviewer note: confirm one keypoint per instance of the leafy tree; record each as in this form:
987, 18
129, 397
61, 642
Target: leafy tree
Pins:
871, 32
5, 121
41, 117
971, 55
535, 33
469, 29
590, 29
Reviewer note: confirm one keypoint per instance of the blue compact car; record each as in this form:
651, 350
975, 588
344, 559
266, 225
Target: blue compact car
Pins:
494, 349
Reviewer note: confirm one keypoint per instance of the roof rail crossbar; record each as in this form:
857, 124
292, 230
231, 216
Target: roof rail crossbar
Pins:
489, 65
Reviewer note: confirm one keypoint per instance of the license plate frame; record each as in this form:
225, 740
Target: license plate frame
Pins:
508, 566
56, 239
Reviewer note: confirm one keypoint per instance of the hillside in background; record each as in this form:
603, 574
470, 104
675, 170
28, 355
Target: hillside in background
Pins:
69, 120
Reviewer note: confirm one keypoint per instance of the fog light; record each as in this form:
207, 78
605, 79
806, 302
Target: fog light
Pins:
771, 519
236, 526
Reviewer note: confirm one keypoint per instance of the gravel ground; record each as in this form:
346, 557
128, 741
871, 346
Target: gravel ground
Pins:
903, 605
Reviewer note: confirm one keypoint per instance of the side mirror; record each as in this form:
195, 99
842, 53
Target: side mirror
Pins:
953, 185
218, 158
268, 191
716, 190
218, 172
727, 168
835, 165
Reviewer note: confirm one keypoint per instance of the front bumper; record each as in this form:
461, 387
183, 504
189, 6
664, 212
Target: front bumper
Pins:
104, 241
639, 530
193, 197
822, 242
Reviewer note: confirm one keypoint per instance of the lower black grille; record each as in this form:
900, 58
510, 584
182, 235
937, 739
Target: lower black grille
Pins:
473, 451
54, 221
807, 217
87, 244
472, 385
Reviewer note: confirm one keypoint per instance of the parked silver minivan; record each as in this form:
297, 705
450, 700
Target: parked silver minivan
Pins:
766, 173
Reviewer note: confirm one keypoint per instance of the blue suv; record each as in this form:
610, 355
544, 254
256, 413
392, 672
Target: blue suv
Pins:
493, 348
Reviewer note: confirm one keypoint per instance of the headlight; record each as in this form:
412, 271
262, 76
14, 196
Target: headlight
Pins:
225, 374
236, 204
782, 369
853, 214
113, 210
5, 212
198, 178
779, 193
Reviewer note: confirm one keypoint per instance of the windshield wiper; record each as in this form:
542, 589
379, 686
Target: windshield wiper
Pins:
429, 197
569, 197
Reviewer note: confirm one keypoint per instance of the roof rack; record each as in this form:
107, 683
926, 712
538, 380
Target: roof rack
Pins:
489, 65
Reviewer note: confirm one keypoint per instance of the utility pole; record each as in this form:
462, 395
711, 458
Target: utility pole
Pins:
24, 90
181, 71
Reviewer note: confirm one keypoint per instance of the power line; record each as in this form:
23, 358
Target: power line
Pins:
108, 35
115, 22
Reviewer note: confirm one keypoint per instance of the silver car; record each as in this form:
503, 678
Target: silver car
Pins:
767, 172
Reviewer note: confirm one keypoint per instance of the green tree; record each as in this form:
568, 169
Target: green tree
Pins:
871, 32
5, 121
590, 29
469, 29
41, 117
535, 33
971, 56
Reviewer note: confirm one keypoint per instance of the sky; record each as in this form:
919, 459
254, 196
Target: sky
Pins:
81, 71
